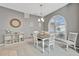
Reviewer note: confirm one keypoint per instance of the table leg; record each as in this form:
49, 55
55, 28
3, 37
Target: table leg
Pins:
34, 42
37, 43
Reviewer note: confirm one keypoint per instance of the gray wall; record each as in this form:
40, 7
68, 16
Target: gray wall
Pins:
71, 15
27, 27
70, 12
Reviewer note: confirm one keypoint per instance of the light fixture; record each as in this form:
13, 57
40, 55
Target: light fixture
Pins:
39, 20
41, 14
42, 19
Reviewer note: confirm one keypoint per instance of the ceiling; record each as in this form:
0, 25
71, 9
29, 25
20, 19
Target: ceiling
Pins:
34, 8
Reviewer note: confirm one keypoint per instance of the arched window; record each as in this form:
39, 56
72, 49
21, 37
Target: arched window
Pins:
51, 25
57, 24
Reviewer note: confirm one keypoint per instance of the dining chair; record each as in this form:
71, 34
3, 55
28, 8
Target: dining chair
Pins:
72, 39
50, 42
35, 34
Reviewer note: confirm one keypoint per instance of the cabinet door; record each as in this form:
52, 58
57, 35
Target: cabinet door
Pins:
7, 37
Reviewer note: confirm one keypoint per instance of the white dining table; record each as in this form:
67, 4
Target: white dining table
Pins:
43, 43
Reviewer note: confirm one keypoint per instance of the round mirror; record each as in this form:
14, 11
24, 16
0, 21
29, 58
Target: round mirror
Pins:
15, 23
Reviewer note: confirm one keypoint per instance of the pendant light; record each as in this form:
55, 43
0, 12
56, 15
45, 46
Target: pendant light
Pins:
41, 13
39, 20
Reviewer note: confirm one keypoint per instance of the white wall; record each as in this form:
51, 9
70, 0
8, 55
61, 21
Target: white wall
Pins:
7, 14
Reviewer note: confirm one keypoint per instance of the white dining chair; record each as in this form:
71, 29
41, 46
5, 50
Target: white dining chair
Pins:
72, 39
50, 42
35, 38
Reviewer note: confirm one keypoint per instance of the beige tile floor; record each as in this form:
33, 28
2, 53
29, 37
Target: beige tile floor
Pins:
26, 48
6, 52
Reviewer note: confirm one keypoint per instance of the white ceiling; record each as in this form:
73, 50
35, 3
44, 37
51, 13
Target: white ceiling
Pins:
34, 8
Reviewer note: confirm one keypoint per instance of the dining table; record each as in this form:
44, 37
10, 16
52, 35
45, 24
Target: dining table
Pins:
43, 36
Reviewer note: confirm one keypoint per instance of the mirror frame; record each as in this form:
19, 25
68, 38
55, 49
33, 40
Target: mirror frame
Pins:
14, 25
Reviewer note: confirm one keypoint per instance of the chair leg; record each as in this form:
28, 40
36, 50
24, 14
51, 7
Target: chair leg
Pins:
37, 43
67, 47
43, 46
75, 48
49, 50
53, 44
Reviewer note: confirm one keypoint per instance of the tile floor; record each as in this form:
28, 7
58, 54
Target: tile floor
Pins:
26, 48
